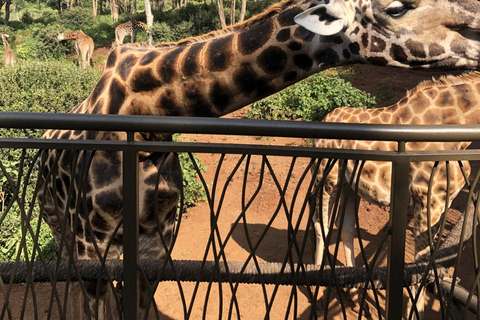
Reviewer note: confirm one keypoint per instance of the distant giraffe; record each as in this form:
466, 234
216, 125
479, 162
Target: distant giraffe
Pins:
84, 46
128, 28
450, 100
8, 55
220, 72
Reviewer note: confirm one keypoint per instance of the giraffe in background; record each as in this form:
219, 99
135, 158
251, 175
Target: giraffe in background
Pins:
449, 100
84, 46
8, 55
128, 28
215, 74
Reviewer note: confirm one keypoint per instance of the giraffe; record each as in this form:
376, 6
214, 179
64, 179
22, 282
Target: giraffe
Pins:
83, 46
128, 28
212, 75
8, 55
449, 100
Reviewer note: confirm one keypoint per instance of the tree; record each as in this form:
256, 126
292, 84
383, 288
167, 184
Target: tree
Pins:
221, 14
148, 13
115, 10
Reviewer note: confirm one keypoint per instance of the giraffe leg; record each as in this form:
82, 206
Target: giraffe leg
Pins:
348, 236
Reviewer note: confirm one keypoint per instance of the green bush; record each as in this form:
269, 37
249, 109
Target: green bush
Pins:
76, 18
311, 99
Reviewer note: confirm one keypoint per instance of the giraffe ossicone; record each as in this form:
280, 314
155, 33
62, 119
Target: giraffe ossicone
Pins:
449, 100
212, 75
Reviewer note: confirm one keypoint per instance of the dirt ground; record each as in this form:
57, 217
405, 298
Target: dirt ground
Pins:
390, 84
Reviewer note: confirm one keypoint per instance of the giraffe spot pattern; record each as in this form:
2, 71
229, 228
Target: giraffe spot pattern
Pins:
327, 57
283, 35
106, 168
144, 80
198, 103
220, 96
110, 203
285, 19
100, 87
272, 60
167, 66
419, 102
99, 222
381, 61
254, 38
290, 76
458, 47
126, 65
117, 97
168, 104
190, 63
149, 58
465, 97
219, 55
377, 44
416, 48
111, 59
354, 48
303, 61
398, 53
303, 34
295, 46
445, 99
435, 50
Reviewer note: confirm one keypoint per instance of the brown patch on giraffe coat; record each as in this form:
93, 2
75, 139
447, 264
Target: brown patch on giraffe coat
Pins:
377, 44
398, 53
100, 87
419, 103
445, 99
149, 57
220, 55
126, 65
303, 61
106, 168
144, 80
167, 66
167, 103
285, 19
117, 97
431, 117
386, 117
272, 60
254, 38
220, 96
110, 203
416, 48
303, 34
465, 97
283, 35
190, 62
435, 50
111, 59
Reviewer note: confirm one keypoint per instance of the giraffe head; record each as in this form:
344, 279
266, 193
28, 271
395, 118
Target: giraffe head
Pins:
4, 35
401, 33
61, 36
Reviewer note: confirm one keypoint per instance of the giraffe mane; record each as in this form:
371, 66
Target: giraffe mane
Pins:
448, 80
273, 9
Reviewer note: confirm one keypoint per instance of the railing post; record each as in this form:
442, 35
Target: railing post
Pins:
400, 198
130, 232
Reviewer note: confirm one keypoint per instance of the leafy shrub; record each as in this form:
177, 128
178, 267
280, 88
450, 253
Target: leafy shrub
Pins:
76, 18
26, 18
311, 99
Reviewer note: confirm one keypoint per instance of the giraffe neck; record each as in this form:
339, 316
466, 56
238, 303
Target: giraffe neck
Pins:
217, 73
71, 36
5, 44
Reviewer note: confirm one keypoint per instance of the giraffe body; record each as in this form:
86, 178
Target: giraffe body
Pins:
84, 46
128, 28
8, 56
450, 100
210, 76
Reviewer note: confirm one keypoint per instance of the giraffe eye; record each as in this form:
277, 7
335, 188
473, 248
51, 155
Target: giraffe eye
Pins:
396, 9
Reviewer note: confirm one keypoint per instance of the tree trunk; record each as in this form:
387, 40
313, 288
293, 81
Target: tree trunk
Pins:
134, 6
128, 8
174, 4
242, 11
148, 13
94, 8
7, 11
232, 13
115, 10
221, 14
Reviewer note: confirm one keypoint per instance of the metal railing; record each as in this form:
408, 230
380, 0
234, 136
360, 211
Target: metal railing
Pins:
215, 265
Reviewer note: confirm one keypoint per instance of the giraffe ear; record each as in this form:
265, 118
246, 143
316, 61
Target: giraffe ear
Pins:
326, 20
